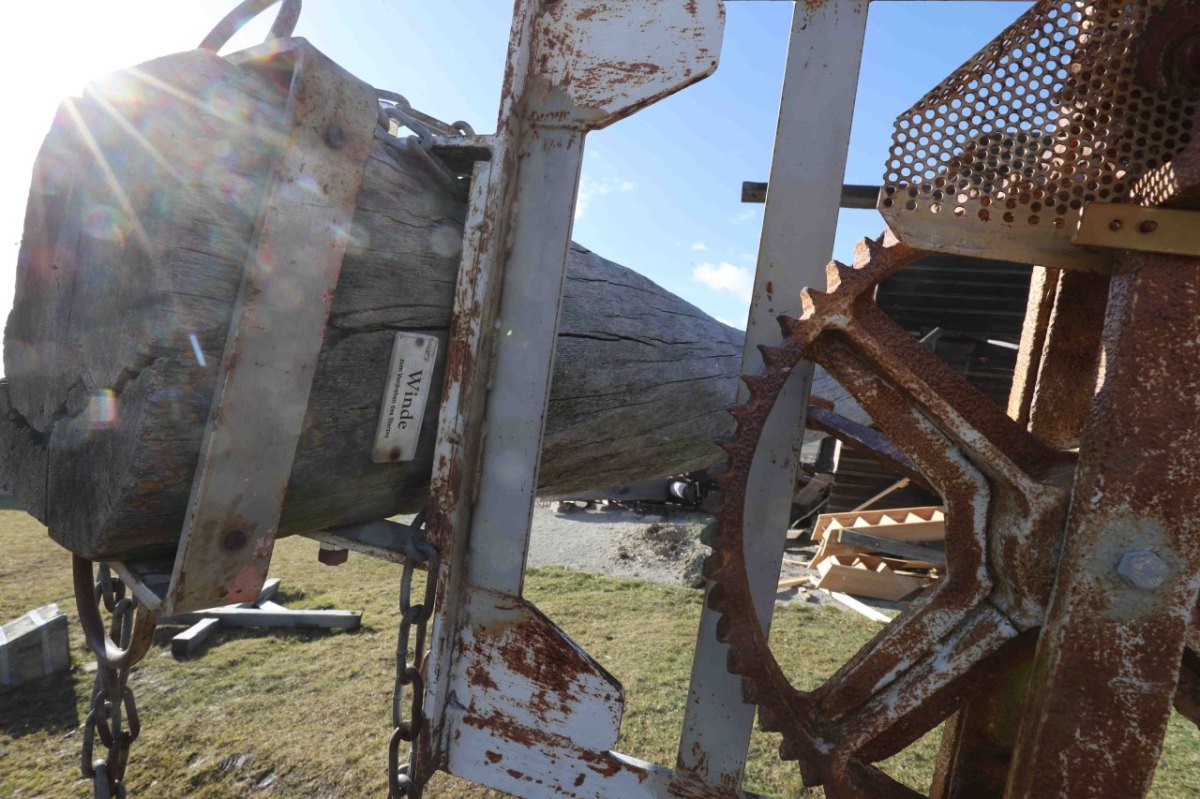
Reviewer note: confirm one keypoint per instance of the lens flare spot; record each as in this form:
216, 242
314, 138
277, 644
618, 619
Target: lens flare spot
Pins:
105, 222
197, 350
102, 410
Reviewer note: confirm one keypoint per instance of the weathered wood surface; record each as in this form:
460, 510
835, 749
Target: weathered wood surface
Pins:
140, 217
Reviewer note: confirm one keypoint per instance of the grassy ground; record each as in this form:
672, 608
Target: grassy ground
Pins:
306, 714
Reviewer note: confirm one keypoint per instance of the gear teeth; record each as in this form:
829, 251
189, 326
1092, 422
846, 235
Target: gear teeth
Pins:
867, 250
737, 660
742, 413
837, 274
723, 625
728, 444
774, 357
726, 480
789, 326
755, 384
814, 303
768, 717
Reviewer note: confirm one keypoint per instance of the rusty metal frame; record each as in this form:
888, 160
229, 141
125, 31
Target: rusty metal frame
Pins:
274, 338
573, 66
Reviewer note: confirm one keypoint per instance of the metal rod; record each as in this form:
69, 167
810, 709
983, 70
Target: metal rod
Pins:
854, 195
807, 168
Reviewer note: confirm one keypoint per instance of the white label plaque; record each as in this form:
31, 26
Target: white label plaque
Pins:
409, 373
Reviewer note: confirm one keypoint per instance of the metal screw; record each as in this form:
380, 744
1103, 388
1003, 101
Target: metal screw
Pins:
1142, 569
1114, 225
1149, 226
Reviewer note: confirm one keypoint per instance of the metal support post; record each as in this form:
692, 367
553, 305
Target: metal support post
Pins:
574, 66
800, 219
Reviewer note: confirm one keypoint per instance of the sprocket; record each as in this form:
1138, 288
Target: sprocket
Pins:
1006, 499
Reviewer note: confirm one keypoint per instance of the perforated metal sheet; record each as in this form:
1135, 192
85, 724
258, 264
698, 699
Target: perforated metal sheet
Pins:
1066, 106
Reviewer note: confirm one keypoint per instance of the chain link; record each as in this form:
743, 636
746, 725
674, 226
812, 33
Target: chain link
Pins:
394, 107
407, 780
113, 717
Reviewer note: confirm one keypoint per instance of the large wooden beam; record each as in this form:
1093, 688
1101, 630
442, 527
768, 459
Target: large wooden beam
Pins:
142, 210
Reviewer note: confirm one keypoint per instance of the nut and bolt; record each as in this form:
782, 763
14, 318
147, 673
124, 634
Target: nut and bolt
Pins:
1143, 569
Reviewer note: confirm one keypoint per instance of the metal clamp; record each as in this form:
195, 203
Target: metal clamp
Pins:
274, 338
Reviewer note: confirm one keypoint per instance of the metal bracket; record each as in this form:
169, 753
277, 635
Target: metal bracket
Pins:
1140, 229
274, 338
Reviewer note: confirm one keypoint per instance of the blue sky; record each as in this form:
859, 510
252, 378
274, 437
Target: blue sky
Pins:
660, 191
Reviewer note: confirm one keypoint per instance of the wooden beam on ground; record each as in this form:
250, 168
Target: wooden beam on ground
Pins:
187, 642
888, 546
837, 574
290, 619
859, 606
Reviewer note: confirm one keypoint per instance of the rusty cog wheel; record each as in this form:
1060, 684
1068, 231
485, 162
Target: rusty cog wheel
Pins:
1005, 495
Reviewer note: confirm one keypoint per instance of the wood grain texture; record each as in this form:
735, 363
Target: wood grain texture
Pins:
141, 215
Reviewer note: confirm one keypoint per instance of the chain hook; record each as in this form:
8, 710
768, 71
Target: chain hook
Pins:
283, 27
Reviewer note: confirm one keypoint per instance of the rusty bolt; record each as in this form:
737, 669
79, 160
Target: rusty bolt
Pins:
1114, 225
1142, 569
333, 556
1187, 62
234, 540
1149, 226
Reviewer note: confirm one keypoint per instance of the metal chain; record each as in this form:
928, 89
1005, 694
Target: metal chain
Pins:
407, 781
113, 716
394, 107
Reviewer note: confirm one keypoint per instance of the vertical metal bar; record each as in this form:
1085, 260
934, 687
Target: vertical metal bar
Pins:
1108, 659
1066, 379
274, 339
524, 357
807, 169
571, 69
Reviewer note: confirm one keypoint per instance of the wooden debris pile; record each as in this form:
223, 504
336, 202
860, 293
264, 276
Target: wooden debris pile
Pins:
887, 555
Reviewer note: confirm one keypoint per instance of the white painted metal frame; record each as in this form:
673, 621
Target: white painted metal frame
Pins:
515, 704
799, 222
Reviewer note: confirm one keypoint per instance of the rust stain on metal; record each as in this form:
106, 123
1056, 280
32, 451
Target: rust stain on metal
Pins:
998, 483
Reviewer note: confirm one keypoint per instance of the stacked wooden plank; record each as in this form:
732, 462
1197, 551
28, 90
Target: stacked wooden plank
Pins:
881, 554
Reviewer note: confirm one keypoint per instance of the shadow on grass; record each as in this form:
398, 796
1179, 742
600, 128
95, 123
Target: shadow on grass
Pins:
45, 705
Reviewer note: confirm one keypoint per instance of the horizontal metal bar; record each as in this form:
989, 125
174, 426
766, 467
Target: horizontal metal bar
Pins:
854, 195
1134, 227
383, 539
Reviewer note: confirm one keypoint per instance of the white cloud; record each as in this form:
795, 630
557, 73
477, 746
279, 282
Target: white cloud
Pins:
699, 246
735, 280
744, 216
589, 189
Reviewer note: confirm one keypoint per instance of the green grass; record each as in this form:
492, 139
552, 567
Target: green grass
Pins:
306, 714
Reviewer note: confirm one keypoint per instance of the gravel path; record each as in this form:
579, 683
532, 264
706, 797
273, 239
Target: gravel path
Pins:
659, 545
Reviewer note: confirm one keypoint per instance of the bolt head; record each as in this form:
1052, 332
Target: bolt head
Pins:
1142, 569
